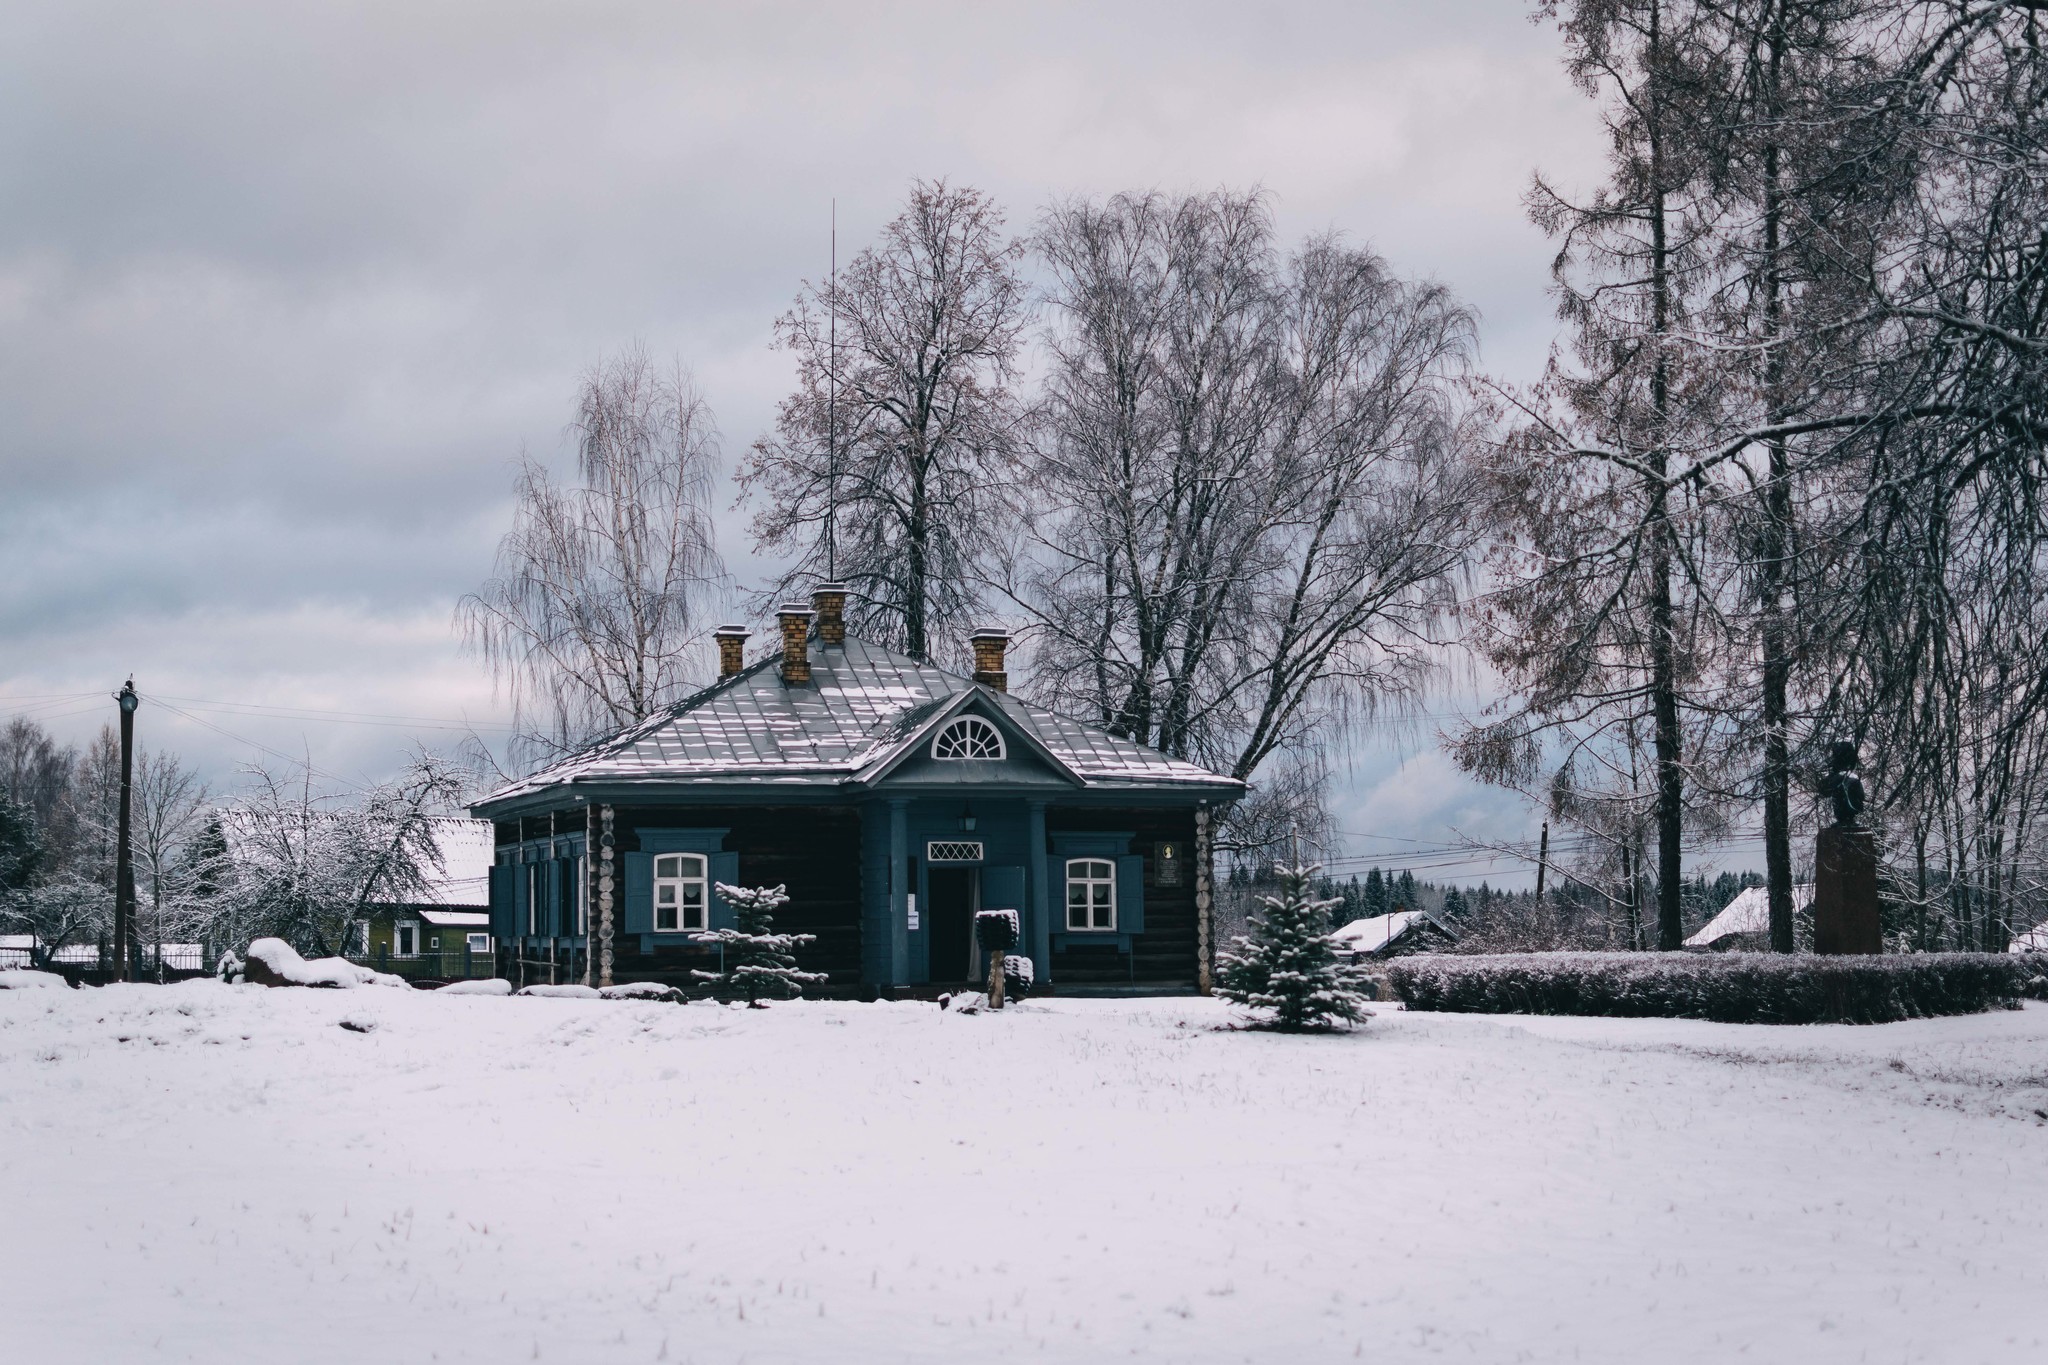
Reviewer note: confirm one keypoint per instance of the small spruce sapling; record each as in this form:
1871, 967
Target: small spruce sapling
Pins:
759, 963
1289, 966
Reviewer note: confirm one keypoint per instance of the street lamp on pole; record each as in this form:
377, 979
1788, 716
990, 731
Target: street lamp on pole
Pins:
124, 870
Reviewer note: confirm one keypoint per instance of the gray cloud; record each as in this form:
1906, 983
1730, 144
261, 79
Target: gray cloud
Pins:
285, 289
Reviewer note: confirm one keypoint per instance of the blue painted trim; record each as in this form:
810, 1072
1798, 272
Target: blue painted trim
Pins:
683, 840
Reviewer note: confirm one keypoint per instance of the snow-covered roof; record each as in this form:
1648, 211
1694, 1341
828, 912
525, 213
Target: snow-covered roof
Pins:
864, 707
457, 919
1748, 913
2035, 940
1374, 933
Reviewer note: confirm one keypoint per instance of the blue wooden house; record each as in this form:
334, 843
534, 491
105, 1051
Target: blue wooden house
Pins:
892, 798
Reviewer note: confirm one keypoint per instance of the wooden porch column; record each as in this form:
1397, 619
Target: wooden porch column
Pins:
605, 882
1205, 914
1037, 878
587, 911
899, 892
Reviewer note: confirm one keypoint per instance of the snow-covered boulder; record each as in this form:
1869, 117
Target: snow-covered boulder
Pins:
273, 962
562, 992
642, 990
22, 979
488, 986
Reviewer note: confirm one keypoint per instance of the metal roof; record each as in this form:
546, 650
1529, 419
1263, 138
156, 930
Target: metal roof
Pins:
864, 705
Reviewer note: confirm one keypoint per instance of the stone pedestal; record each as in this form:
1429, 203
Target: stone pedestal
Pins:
1845, 892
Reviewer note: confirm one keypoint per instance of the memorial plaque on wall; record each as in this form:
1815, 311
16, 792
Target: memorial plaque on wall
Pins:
1167, 860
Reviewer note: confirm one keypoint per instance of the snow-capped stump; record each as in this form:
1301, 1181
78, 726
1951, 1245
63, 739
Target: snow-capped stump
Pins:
1019, 976
356, 1023
495, 985
273, 962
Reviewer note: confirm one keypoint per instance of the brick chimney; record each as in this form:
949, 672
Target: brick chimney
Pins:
989, 644
796, 643
829, 601
732, 649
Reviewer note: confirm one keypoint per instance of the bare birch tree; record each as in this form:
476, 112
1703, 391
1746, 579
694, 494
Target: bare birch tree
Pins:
605, 589
897, 495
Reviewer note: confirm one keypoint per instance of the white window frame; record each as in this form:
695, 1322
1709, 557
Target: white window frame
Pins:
479, 943
1090, 879
398, 932
966, 739
680, 882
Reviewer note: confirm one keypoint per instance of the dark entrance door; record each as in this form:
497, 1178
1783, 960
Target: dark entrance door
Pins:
952, 923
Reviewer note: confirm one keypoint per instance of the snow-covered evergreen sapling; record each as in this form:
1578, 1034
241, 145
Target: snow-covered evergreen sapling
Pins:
760, 964
1289, 966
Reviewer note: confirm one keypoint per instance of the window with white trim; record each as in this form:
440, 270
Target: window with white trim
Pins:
968, 737
1091, 893
479, 943
682, 893
405, 939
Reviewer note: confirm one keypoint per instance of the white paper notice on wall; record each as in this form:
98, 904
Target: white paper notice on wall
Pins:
910, 900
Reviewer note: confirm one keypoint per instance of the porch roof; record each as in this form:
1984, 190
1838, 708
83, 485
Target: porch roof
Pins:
864, 705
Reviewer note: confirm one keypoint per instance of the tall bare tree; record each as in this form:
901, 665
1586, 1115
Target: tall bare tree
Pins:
1248, 502
605, 588
896, 495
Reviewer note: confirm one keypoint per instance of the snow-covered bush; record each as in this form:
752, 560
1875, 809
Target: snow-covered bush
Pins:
492, 985
273, 962
1289, 965
1734, 988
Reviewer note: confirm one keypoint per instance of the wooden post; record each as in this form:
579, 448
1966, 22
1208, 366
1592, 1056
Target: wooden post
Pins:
1205, 931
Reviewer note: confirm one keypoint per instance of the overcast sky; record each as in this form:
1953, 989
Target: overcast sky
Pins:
285, 288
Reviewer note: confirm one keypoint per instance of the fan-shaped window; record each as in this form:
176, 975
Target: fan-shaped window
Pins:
968, 737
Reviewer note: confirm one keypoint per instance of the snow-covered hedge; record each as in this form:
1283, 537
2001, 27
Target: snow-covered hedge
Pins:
1734, 988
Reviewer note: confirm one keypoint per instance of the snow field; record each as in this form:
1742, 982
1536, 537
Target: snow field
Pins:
213, 1173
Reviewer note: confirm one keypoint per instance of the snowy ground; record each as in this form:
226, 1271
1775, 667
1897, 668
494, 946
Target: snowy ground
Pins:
208, 1173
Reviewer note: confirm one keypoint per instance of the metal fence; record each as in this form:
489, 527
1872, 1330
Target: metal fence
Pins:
433, 964
94, 962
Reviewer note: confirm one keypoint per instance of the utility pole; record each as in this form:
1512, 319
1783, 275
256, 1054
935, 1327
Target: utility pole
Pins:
1542, 866
832, 413
124, 870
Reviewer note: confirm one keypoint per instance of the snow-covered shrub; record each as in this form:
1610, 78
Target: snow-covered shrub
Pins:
562, 992
642, 990
494, 985
273, 962
1733, 988
1289, 964
21, 979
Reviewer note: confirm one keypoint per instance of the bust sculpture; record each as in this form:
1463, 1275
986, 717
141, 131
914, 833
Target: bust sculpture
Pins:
1842, 785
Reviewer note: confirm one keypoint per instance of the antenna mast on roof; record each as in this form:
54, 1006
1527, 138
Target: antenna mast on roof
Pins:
832, 413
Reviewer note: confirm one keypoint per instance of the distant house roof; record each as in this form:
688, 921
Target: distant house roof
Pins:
2035, 940
1748, 913
866, 707
1378, 933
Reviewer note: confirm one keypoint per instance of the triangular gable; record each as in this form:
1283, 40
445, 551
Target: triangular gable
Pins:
981, 702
